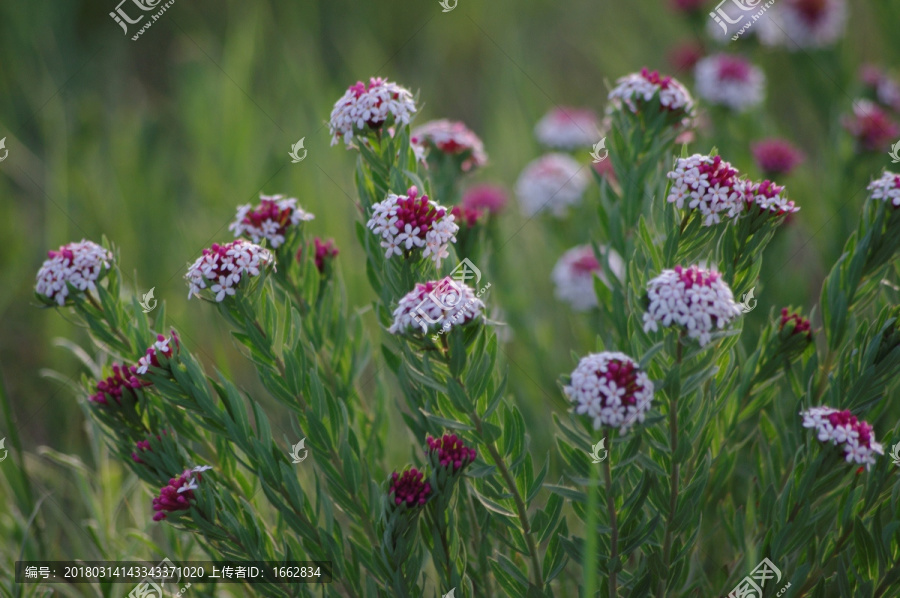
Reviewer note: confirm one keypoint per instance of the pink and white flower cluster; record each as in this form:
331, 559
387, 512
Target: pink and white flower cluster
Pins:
695, 299
731, 81
407, 222
715, 188
573, 275
80, 263
636, 89
842, 427
800, 24
451, 138
436, 305
160, 347
708, 184
364, 108
222, 267
885, 88
611, 389
886, 189
177, 495
776, 156
872, 126
552, 183
269, 220
568, 128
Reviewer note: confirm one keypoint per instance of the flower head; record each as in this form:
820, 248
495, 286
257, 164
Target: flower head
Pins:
776, 157
270, 220
452, 139
365, 108
872, 126
410, 488
407, 222
81, 263
552, 183
769, 197
123, 378
485, 197
637, 89
436, 305
708, 184
450, 451
843, 428
176, 496
795, 323
222, 267
611, 389
695, 299
731, 81
800, 24
573, 275
568, 128
160, 347
886, 189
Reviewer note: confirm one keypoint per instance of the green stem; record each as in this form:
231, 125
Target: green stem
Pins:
673, 486
614, 525
521, 509
591, 540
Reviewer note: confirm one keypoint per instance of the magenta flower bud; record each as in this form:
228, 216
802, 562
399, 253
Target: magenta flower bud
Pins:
871, 126
843, 428
324, 253
452, 139
177, 495
122, 378
466, 215
409, 488
270, 220
81, 263
685, 56
141, 446
776, 157
450, 451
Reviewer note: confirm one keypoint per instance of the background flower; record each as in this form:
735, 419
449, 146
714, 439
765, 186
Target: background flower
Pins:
573, 275
872, 126
800, 24
568, 128
776, 156
453, 139
886, 188
552, 183
730, 80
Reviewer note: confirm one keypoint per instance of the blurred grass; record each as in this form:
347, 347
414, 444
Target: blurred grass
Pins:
153, 143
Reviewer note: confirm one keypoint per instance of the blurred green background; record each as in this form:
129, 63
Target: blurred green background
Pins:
154, 142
